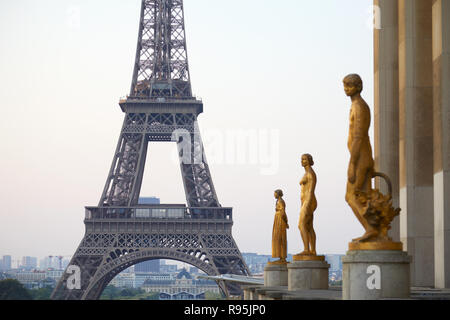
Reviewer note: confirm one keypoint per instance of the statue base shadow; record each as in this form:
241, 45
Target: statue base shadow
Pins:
375, 274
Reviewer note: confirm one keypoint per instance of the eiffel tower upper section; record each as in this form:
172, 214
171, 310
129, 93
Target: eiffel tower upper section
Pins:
160, 108
161, 67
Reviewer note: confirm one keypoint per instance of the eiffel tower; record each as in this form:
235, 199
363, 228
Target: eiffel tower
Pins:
120, 232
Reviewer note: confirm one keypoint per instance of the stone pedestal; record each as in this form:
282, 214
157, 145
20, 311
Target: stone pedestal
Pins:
376, 274
308, 275
275, 275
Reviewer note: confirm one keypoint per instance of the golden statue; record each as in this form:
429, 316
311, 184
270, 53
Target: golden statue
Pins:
373, 209
280, 224
308, 206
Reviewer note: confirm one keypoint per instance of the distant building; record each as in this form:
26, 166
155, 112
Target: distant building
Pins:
124, 280
182, 287
144, 270
44, 263
55, 275
37, 278
65, 263
128, 270
31, 279
167, 268
48, 263
193, 270
335, 271
29, 263
147, 266
335, 261
161, 277
141, 277
5, 263
257, 262
53, 262
149, 200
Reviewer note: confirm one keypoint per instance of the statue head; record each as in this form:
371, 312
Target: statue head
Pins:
278, 193
352, 84
307, 160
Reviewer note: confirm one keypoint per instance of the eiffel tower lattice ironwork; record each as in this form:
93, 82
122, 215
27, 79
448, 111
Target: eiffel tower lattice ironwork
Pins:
120, 232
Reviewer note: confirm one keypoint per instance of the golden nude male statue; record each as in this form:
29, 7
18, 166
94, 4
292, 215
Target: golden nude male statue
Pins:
370, 206
280, 224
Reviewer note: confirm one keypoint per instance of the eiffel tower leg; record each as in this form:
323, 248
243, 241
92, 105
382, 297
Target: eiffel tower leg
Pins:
77, 276
139, 174
198, 185
226, 258
125, 177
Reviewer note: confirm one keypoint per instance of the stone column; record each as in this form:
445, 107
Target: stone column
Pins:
416, 137
441, 155
386, 100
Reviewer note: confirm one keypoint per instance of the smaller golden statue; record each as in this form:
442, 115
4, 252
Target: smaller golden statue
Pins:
308, 206
280, 225
373, 209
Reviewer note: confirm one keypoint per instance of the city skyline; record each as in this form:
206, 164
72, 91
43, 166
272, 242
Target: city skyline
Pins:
256, 263
277, 81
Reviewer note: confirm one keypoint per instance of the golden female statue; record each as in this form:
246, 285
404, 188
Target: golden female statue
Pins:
371, 208
309, 205
280, 224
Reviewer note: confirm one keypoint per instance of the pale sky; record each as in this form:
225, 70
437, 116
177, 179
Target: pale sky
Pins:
270, 68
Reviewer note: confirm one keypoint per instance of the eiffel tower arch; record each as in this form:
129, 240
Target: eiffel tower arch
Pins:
120, 232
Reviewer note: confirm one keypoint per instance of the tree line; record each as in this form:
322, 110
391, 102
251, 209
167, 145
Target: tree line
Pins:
12, 289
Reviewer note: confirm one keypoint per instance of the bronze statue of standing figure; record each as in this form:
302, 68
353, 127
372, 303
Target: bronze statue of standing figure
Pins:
308, 206
280, 225
372, 209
